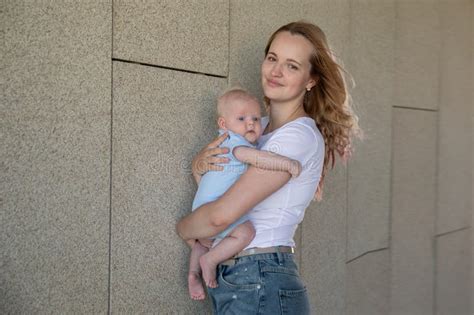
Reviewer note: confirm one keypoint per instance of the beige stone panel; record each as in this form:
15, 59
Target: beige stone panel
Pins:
417, 53
323, 247
368, 284
249, 31
455, 112
55, 157
190, 35
413, 211
370, 61
162, 118
453, 267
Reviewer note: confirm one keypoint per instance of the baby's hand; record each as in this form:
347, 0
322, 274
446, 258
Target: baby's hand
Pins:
206, 242
295, 168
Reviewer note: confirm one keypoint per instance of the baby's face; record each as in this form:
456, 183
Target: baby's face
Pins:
243, 118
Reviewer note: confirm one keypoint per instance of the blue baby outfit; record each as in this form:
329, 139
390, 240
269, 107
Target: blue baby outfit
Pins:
215, 183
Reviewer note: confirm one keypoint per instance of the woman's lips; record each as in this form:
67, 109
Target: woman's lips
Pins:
273, 83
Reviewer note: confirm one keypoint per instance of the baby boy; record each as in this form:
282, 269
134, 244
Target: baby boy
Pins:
239, 116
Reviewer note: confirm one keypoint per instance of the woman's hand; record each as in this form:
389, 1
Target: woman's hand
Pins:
207, 158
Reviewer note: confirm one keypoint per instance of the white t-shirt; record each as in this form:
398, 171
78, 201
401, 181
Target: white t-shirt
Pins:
276, 218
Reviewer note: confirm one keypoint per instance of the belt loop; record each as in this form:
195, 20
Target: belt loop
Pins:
279, 256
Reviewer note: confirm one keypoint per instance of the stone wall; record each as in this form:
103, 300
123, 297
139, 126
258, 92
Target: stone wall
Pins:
104, 103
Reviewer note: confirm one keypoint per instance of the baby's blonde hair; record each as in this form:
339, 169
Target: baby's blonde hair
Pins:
235, 92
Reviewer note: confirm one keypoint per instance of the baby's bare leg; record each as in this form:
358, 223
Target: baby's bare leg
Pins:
196, 290
233, 243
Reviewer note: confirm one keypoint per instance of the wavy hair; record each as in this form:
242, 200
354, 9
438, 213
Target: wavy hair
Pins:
328, 102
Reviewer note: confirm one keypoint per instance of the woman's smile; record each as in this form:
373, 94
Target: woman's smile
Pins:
273, 83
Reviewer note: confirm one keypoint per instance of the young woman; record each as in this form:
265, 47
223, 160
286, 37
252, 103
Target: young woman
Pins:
309, 120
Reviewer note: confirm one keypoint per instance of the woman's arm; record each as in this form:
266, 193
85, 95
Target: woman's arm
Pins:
251, 188
267, 160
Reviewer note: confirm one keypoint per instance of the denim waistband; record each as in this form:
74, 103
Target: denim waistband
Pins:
256, 257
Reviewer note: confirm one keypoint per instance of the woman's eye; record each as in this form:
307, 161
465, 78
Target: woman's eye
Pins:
292, 67
271, 58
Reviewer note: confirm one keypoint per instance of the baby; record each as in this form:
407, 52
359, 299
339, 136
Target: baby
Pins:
239, 116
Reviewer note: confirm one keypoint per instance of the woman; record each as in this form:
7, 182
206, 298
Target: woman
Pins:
309, 120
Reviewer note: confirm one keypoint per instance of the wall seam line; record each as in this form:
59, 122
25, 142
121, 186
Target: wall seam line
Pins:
109, 280
437, 163
453, 231
351, 42
348, 47
396, 37
169, 68
366, 253
416, 108
228, 42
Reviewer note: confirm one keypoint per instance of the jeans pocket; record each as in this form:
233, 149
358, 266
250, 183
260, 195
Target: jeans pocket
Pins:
240, 276
231, 282
294, 302
235, 294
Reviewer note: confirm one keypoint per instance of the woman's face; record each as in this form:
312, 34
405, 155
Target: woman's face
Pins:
286, 68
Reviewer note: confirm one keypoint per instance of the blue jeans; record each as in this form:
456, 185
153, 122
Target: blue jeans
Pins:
260, 284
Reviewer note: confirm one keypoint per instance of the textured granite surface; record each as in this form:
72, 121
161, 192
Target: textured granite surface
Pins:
371, 47
455, 112
55, 158
453, 266
368, 284
323, 251
188, 35
162, 118
413, 211
55, 123
417, 54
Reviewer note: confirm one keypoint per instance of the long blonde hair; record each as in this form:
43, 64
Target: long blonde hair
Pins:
328, 102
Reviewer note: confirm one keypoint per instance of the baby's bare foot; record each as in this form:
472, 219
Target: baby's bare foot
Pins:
196, 290
208, 271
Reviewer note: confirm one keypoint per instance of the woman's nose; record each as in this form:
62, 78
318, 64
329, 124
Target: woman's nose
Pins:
276, 70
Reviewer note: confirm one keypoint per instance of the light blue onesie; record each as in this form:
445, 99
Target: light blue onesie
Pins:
214, 184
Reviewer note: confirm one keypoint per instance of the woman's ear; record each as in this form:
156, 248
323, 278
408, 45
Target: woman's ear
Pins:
221, 123
311, 83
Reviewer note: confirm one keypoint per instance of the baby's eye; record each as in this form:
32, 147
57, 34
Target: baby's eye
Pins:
241, 118
256, 118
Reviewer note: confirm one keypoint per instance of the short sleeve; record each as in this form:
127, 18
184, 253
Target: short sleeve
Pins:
295, 141
234, 141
